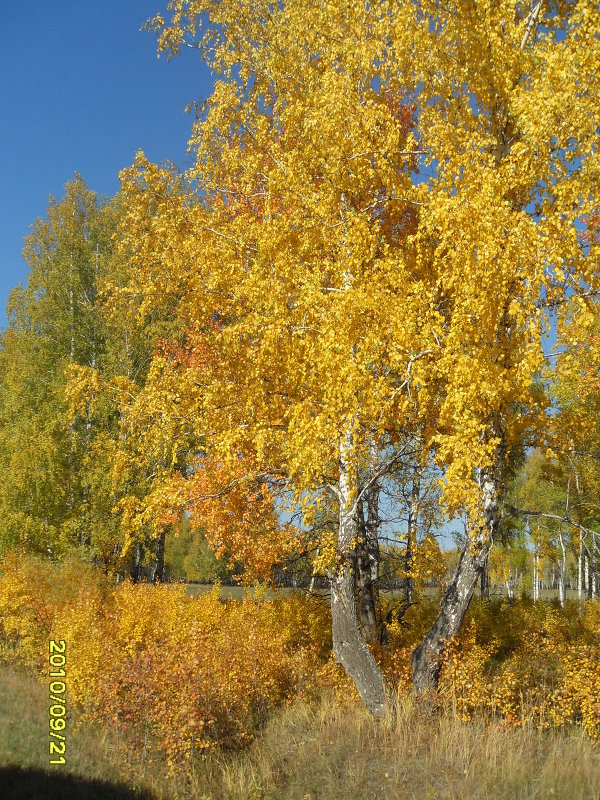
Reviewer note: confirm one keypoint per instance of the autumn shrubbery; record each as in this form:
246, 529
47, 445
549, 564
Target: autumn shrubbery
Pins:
179, 673
523, 663
186, 675
529, 664
32, 592
189, 673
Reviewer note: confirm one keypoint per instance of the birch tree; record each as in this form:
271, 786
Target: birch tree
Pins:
388, 200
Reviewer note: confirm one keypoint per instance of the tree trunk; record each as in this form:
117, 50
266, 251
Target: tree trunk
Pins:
536, 576
510, 587
366, 594
426, 658
158, 568
580, 573
562, 564
368, 557
134, 570
562, 572
586, 575
348, 644
372, 531
485, 580
313, 580
411, 533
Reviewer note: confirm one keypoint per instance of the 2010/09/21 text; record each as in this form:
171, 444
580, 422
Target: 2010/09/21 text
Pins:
58, 661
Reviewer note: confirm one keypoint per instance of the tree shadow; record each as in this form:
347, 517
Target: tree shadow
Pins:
17, 783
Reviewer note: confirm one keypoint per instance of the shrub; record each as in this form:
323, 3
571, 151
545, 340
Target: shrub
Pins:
188, 675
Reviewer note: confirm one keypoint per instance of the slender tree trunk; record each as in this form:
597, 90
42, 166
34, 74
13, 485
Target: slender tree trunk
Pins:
72, 433
413, 519
368, 558
349, 645
485, 580
158, 567
562, 564
562, 572
134, 571
426, 658
372, 531
313, 581
588, 585
366, 595
373, 549
536, 576
580, 574
72, 312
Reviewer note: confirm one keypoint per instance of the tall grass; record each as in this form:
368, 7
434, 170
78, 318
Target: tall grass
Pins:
324, 751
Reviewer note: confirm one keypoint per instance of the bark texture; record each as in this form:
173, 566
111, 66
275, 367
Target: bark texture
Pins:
485, 580
349, 646
158, 568
536, 576
411, 530
136, 562
366, 589
351, 650
426, 658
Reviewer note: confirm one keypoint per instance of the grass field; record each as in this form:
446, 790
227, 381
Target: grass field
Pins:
326, 752
237, 592
93, 768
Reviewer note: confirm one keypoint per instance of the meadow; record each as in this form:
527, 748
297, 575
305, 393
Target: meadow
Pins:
207, 697
320, 751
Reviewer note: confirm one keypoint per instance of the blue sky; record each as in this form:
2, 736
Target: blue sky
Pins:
81, 89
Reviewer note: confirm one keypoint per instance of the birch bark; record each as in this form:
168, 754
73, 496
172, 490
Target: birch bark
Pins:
349, 646
426, 658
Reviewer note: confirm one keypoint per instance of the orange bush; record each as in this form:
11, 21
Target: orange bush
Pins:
180, 673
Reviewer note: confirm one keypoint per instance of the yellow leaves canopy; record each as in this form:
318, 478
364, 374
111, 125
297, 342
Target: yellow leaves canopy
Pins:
377, 220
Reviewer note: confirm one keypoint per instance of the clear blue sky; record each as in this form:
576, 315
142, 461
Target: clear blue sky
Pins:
81, 89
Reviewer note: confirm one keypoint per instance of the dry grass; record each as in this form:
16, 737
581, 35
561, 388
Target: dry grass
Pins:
94, 770
336, 752
332, 751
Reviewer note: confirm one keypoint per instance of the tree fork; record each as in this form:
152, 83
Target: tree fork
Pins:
349, 645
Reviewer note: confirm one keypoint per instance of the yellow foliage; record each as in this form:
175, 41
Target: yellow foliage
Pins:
181, 673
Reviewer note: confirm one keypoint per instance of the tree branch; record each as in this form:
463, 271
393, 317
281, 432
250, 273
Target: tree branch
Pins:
518, 512
531, 23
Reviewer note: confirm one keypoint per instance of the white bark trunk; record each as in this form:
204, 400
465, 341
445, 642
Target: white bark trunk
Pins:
349, 645
426, 658
587, 576
562, 564
411, 535
562, 572
580, 574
